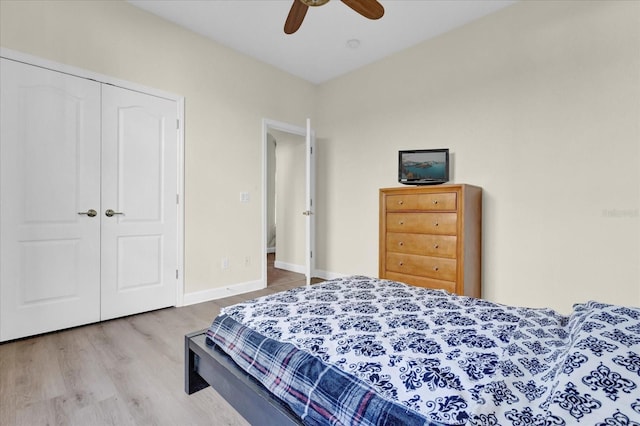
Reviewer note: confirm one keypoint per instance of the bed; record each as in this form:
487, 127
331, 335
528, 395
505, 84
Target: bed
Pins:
361, 350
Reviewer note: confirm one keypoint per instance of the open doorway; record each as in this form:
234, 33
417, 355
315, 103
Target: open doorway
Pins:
286, 170
294, 171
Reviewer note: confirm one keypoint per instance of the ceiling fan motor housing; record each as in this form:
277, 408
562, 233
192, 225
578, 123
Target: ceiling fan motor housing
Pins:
314, 2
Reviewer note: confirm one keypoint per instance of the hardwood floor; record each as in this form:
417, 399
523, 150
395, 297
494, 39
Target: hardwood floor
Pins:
127, 371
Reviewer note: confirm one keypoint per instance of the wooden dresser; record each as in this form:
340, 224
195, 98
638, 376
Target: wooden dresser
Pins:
430, 236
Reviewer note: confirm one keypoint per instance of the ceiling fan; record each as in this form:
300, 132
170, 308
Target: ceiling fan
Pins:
371, 9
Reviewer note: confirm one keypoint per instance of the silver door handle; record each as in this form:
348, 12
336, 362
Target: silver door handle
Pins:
90, 213
110, 213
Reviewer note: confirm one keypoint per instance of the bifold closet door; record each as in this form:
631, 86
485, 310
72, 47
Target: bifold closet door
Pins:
139, 207
50, 177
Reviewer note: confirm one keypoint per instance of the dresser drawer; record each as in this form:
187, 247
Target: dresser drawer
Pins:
425, 266
449, 286
431, 202
422, 244
425, 223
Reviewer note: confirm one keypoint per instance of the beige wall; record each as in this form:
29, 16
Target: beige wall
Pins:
226, 96
540, 106
538, 103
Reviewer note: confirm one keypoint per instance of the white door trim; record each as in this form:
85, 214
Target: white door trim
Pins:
101, 78
310, 197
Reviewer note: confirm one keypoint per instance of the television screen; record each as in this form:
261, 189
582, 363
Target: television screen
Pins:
423, 166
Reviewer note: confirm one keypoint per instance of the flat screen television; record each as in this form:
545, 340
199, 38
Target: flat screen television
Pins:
423, 166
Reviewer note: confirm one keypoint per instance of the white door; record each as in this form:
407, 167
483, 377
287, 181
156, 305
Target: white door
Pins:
310, 208
139, 185
50, 175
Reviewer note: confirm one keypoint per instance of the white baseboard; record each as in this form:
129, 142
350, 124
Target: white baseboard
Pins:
319, 273
246, 287
289, 267
326, 275
221, 292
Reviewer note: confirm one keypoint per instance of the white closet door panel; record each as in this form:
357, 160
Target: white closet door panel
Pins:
50, 171
139, 164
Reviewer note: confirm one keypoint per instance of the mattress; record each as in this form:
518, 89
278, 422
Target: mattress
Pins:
360, 350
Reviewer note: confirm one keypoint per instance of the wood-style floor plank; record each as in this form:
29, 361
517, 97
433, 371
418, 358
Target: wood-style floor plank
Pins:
127, 371
8, 372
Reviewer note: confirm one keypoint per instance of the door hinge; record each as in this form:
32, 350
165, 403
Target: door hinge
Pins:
311, 150
311, 254
176, 274
177, 198
178, 124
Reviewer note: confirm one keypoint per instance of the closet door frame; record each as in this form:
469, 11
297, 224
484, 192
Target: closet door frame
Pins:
101, 78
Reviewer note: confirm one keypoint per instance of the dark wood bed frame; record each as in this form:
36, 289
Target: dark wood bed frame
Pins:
207, 365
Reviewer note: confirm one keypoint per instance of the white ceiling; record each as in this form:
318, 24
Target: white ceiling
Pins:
318, 51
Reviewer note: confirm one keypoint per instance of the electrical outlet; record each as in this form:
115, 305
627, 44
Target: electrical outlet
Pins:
225, 263
244, 197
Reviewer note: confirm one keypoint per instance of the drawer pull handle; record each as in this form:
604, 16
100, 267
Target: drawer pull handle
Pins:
435, 268
436, 224
435, 246
401, 222
435, 201
401, 243
401, 202
401, 263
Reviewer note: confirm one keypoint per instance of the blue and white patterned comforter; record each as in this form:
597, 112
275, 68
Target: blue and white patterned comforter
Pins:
436, 358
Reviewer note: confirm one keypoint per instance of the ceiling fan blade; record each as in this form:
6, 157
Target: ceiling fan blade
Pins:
295, 17
371, 9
